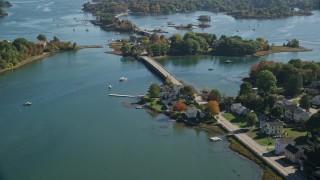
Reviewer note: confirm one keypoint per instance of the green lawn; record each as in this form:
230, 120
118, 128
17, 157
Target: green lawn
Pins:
298, 135
237, 120
261, 138
155, 104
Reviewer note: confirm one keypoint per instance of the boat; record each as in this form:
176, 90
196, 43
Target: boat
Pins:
28, 103
123, 79
87, 30
138, 107
210, 69
215, 139
110, 87
228, 61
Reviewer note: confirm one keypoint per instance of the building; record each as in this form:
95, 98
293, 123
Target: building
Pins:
316, 100
292, 112
281, 144
191, 112
273, 128
41, 43
292, 153
239, 109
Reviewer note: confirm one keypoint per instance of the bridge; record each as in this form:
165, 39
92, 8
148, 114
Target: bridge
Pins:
158, 69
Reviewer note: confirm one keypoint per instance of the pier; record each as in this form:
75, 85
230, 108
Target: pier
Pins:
159, 70
122, 95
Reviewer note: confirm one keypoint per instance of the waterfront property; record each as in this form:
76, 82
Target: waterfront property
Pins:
281, 144
239, 109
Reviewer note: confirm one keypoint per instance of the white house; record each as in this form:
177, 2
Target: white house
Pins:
281, 144
301, 115
316, 100
239, 109
191, 112
274, 128
293, 112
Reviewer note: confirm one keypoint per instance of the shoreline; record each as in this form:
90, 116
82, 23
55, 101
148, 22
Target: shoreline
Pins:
42, 56
280, 49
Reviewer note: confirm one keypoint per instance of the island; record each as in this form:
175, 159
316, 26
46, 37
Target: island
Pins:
4, 4
239, 9
21, 51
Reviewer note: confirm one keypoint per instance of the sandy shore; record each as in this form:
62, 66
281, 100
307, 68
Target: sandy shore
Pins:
280, 49
42, 56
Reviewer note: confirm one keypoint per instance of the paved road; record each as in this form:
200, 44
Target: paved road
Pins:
162, 70
275, 161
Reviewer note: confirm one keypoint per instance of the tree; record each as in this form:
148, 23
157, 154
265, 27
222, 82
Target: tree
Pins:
214, 95
180, 106
245, 89
266, 81
125, 49
276, 111
154, 90
305, 102
213, 107
42, 37
56, 39
293, 85
187, 93
297, 63
293, 43
252, 119
313, 124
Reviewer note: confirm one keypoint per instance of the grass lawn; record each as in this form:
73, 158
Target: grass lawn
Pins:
155, 104
261, 138
237, 120
298, 135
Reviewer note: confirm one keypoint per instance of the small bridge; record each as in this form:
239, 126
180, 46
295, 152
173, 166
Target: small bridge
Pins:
143, 32
158, 69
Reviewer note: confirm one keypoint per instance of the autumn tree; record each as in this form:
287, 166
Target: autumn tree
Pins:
213, 107
180, 106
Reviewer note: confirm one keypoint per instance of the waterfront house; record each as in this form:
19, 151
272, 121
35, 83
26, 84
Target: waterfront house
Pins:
316, 100
292, 112
281, 144
41, 43
239, 109
273, 128
191, 112
292, 153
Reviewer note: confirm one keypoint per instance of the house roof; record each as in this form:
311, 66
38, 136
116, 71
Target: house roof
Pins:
292, 149
192, 109
316, 98
285, 140
275, 123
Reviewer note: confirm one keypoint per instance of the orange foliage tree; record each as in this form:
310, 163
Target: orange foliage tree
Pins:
180, 106
213, 107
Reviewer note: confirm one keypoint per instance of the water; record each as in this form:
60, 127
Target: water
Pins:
74, 130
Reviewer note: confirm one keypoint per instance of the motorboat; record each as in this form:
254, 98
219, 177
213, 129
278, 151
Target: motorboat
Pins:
210, 69
123, 79
87, 30
215, 139
110, 87
228, 61
28, 103
138, 107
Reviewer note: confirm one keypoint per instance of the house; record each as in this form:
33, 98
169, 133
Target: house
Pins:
281, 144
312, 91
239, 109
191, 112
315, 84
293, 112
41, 43
263, 119
292, 153
316, 100
273, 128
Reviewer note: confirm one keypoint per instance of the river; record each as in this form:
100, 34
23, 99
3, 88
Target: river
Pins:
74, 130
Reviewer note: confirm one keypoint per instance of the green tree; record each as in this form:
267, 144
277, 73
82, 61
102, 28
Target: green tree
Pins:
305, 102
154, 90
187, 93
214, 95
266, 81
56, 39
297, 63
42, 37
125, 49
276, 112
252, 119
293, 85
245, 89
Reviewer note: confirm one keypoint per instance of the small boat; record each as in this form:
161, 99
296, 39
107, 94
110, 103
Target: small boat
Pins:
87, 30
123, 79
138, 107
210, 69
254, 29
110, 87
215, 139
228, 61
28, 103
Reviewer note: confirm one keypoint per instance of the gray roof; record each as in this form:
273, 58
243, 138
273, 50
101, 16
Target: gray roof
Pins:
292, 149
286, 140
276, 123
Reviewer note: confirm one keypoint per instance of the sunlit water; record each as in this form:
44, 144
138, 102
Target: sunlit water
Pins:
74, 130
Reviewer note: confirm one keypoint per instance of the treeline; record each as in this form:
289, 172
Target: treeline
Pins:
4, 4
11, 53
236, 8
290, 77
195, 43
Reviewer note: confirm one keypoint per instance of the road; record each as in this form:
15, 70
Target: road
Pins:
275, 161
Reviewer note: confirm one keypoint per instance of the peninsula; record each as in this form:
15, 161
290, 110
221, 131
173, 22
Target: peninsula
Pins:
21, 51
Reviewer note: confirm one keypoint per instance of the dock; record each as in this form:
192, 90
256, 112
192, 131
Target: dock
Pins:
122, 95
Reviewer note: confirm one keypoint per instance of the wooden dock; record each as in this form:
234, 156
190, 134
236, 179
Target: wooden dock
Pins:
122, 95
